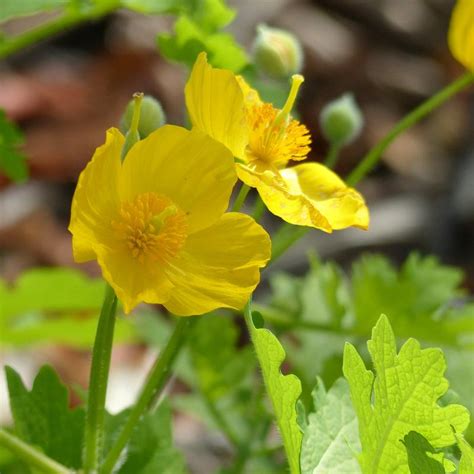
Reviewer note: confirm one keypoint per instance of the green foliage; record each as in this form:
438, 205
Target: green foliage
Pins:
219, 365
422, 457
54, 305
43, 418
466, 465
283, 390
157, 6
198, 29
331, 436
325, 308
402, 397
151, 447
13, 8
422, 292
12, 161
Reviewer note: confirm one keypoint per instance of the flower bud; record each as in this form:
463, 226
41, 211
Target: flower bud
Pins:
341, 120
277, 53
151, 117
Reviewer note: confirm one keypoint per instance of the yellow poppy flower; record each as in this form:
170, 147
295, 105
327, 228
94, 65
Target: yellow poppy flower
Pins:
156, 223
265, 139
461, 33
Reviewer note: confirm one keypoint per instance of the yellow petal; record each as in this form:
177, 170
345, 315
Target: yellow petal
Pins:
133, 281
219, 266
96, 200
341, 205
251, 96
193, 170
461, 33
216, 106
294, 208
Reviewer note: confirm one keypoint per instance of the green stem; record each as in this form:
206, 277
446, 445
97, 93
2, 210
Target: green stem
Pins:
154, 384
240, 199
65, 22
284, 238
371, 159
30, 455
99, 374
258, 208
332, 156
287, 235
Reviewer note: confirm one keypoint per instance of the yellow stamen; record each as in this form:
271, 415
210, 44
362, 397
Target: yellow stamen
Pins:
158, 220
152, 227
137, 98
296, 81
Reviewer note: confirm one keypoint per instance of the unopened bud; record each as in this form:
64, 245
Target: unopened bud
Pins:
341, 120
151, 116
277, 53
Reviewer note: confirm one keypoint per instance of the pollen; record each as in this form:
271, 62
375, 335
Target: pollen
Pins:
151, 227
275, 137
272, 142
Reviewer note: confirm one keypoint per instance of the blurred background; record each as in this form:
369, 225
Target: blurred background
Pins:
65, 92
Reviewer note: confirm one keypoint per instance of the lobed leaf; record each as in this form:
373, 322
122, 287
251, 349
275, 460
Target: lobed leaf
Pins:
331, 437
400, 398
43, 418
422, 457
283, 390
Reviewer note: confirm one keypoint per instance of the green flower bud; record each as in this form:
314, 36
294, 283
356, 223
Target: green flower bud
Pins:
151, 117
341, 120
277, 53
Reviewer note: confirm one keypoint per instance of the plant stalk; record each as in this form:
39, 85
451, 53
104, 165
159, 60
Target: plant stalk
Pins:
30, 455
373, 156
68, 20
157, 378
99, 375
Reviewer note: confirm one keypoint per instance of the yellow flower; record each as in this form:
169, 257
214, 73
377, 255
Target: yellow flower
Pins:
461, 33
156, 223
265, 139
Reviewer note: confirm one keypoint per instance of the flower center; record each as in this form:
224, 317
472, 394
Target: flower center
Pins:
152, 227
276, 138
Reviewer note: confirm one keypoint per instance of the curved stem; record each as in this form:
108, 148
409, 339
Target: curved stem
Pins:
332, 156
99, 375
284, 238
30, 455
157, 378
258, 208
371, 159
240, 199
65, 22
287, 235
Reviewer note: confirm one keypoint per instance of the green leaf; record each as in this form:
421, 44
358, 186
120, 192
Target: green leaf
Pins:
198, 29
220, 366
402, 397
12, 161
150, 449
466, 465
212, 15
157, 6
283, 390
419, 299
52, 290
13, 8
54, 305
42, 416
331, 437
422, 457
